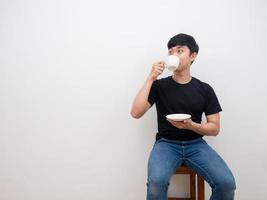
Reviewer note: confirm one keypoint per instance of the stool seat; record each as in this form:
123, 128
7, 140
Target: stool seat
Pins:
197, 184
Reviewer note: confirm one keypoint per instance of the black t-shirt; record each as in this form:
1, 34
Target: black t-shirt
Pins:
192, 98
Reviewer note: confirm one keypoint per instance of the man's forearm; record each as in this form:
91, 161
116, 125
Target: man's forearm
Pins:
209, 128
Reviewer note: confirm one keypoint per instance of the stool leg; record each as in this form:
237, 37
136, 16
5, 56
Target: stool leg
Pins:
193, 186
200, 188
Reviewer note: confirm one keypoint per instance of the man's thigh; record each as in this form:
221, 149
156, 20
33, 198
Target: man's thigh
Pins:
208, 163
164, 159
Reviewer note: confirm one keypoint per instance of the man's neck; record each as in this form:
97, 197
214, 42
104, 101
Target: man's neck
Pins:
182, 77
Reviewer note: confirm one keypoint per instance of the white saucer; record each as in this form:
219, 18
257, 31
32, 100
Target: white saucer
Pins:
178, 117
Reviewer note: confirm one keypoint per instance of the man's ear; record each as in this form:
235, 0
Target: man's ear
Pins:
193, 56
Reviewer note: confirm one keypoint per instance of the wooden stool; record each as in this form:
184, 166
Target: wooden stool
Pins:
196, 190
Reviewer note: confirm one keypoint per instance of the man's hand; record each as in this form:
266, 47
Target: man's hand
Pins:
211, 128
156, 70
186, 124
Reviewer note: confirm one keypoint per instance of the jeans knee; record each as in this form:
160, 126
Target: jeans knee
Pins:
157, 184
156, 190
227, 184
158, 181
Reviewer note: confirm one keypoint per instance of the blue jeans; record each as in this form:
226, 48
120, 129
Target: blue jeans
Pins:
167, 155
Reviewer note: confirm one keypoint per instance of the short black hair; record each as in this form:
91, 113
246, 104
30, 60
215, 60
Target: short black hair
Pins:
184, 40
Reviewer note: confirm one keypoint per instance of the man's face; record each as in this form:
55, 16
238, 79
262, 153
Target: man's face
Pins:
183, 52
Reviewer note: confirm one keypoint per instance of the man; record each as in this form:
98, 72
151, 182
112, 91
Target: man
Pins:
180, 143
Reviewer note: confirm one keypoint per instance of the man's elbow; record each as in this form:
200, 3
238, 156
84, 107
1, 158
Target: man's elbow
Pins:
136, 115
138, 112
216, 131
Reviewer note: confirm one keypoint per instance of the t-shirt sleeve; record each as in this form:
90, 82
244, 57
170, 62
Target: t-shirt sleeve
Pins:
152, 93
212, 105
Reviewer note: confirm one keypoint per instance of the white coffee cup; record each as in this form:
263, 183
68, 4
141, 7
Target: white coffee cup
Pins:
172, 62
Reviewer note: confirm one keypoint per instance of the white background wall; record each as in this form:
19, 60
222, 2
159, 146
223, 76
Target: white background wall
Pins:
69, 71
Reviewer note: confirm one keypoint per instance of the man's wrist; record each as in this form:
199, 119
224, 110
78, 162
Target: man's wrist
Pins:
150, 80
195, 126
